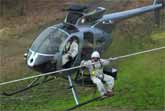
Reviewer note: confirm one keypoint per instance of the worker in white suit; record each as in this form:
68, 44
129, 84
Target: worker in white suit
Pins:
97, 75
71, 51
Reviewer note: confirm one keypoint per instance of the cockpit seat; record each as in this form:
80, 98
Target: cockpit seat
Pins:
84, 79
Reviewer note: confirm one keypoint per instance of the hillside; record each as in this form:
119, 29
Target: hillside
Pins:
140, 85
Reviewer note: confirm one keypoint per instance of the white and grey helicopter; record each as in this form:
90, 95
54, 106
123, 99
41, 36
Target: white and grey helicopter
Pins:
94, 28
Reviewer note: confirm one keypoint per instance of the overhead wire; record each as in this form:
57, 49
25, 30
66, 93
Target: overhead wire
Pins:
80, 66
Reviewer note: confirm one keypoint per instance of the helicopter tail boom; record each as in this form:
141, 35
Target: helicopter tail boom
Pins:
118, 16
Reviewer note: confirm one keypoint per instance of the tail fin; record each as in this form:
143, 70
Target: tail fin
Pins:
157, 11
158, 2
157, 16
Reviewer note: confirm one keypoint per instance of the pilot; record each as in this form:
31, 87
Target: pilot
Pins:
97, 75
70, 52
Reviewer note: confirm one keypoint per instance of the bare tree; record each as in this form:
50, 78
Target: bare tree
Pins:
1, 7
23, 7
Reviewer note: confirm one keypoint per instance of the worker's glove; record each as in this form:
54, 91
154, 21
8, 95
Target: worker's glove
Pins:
82, 63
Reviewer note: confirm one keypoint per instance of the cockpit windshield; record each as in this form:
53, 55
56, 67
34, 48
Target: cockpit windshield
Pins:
49, 41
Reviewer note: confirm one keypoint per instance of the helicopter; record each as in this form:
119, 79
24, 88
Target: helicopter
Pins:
92, 30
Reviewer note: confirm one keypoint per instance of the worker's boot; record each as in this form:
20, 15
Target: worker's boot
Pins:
109, 94
103, 96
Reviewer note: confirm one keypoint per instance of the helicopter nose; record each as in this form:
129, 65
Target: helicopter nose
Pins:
31, 60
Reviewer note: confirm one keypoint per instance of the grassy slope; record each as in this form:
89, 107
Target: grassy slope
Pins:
140, 86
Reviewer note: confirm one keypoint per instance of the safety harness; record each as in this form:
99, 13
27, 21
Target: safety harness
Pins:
93, 73
67, 47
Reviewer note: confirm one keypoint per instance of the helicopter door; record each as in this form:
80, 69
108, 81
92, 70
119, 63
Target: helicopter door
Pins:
100, 44
88, 45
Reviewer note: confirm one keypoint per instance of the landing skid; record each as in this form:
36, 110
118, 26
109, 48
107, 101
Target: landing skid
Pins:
78, 104
84, 103
29, 86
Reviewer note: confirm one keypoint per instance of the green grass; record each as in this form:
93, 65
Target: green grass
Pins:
159, 36
140, 86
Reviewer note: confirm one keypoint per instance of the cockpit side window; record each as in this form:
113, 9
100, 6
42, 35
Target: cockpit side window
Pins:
100, 42
88, 45
49, 41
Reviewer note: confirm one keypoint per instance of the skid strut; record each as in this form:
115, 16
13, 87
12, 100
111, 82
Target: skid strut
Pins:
73, 90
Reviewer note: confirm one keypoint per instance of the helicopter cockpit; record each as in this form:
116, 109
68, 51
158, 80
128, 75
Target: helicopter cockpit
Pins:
75, 13
80, 15
49, 41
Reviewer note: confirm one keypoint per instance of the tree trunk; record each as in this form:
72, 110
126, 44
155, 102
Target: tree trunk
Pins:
23, 8
1, 7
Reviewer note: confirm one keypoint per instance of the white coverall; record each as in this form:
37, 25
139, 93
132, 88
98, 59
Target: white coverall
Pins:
72, 52
97, 75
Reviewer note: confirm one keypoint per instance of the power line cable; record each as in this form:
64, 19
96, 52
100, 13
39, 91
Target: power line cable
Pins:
80, 66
